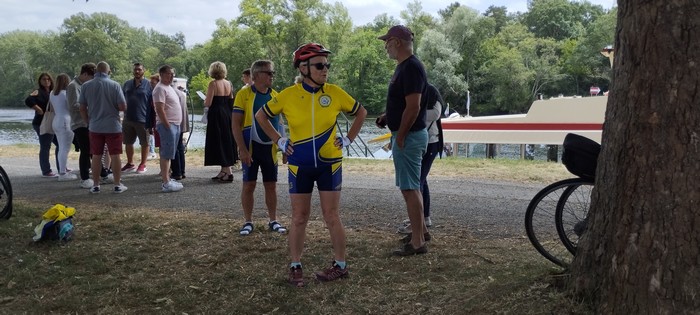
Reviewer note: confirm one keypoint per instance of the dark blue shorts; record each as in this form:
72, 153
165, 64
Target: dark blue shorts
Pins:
326, 178
264, 158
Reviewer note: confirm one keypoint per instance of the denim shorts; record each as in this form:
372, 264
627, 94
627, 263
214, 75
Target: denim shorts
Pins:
168, 140
407, 161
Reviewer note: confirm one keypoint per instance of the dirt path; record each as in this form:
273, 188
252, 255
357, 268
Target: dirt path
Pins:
482, 208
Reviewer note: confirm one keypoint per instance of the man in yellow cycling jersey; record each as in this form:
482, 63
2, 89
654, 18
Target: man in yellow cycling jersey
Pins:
256, 149
314, 152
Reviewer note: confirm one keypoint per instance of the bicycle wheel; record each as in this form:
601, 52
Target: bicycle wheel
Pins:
572, 214
540, 222
5, 195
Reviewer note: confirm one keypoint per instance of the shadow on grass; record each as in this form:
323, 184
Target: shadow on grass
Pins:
151, 261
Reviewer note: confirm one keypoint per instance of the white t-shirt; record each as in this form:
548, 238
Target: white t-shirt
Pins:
167, 94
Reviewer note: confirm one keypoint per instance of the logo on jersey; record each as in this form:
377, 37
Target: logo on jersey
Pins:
324, 100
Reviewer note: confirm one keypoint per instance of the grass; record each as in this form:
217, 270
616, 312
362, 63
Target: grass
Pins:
149, 260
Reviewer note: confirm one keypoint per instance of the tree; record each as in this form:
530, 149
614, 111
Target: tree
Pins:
364, 69
558, 19
641, 254
441, 61
417, 20
94, 38
19, 65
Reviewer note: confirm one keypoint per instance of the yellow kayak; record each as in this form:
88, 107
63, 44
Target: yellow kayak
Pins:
380, 138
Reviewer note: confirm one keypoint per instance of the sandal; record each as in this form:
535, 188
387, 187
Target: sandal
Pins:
219, 176
246, 229
276, 227
227, 178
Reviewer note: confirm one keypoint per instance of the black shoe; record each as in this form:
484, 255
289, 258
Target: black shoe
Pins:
408, 250
407, 239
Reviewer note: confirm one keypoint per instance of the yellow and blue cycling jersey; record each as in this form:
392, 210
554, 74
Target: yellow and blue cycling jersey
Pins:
248, 101
311, 115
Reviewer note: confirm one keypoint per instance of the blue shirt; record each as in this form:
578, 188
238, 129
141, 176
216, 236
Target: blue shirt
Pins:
137, 100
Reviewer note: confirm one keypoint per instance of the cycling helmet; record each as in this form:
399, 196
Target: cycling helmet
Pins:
307, 51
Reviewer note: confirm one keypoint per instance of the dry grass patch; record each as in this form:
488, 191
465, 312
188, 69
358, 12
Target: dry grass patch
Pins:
152, 261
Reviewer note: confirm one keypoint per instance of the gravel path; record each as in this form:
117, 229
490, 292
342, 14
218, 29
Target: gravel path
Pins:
486, 209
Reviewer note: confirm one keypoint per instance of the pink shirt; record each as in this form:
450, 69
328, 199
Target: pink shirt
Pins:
167, 94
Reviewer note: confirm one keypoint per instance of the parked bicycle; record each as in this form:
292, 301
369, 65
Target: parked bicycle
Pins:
5, 195
557, 216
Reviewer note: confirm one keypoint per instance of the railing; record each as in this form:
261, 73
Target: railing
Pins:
359, 147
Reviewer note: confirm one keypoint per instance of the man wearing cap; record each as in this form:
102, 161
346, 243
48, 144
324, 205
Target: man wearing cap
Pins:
406, 120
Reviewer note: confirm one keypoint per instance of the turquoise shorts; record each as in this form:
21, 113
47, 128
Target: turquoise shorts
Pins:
407, 161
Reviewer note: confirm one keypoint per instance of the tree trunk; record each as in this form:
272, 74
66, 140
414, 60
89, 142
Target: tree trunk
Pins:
641, 252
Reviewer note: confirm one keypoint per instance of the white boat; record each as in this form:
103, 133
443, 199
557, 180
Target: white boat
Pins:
546, 122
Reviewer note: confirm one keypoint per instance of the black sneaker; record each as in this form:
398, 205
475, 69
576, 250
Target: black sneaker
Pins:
408, 250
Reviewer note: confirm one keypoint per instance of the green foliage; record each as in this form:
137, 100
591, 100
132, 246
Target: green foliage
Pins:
199, 82
504, 59
364, 69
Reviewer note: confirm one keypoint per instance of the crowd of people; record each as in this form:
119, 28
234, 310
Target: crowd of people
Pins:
101, 117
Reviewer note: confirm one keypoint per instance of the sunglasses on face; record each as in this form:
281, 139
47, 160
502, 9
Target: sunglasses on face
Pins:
320, 65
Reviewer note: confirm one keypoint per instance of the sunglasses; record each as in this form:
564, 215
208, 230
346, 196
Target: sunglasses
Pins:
320, 65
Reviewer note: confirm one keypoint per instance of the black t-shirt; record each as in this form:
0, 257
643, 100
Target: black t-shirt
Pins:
41, 99
409, 78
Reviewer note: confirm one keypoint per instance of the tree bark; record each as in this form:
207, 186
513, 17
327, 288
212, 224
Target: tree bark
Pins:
641, 252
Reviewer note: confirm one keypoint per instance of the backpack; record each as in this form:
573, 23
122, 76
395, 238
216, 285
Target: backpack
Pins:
56, 224
430, 96
580, 156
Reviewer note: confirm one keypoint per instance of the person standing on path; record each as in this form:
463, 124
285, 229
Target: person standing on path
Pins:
78, 124
432, 101
314, 152
405, 118
256, 149
137, 92
61, 126
101, 100
38, 100
168, 120
219, 144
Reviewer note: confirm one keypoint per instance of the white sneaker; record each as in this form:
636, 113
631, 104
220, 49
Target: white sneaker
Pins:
67, 177
152, 156
171, 186
428, 223
406, 229
87, 184
107, 179
118, 189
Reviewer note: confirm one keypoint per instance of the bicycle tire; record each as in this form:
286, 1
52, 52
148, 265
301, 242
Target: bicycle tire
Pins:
540, 224
5, 195
572, 214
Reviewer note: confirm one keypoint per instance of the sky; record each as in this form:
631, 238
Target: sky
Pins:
196, 18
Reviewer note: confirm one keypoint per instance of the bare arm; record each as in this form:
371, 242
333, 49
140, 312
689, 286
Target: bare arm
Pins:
236, 123
210, 93
357, 123
160, 111
270, 130
408, 118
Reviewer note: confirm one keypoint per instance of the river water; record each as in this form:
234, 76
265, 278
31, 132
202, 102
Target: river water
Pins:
16, 128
